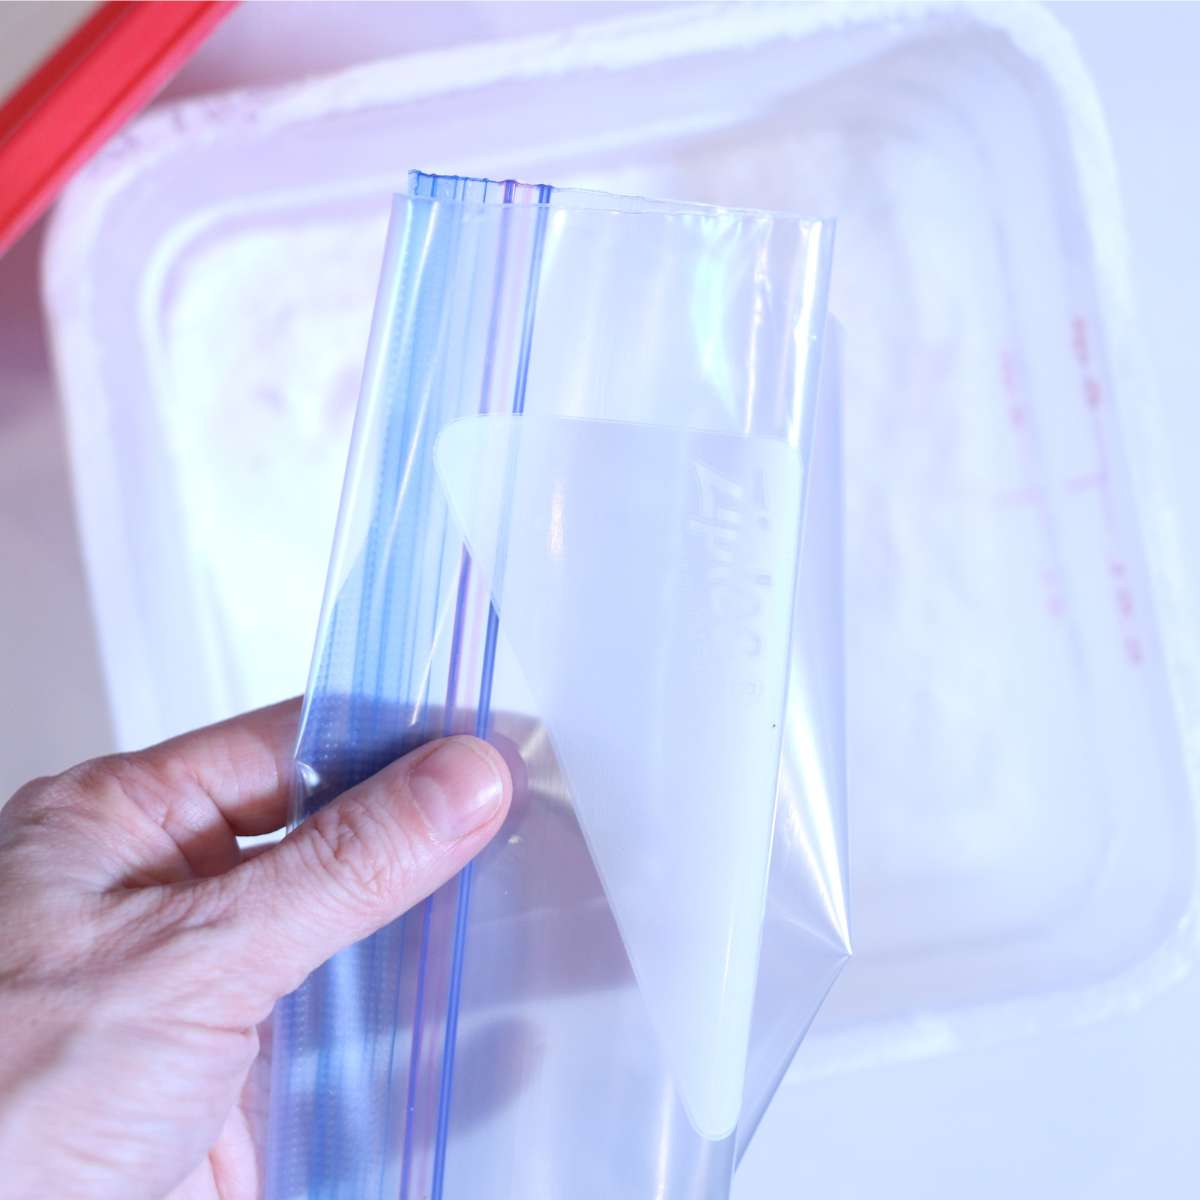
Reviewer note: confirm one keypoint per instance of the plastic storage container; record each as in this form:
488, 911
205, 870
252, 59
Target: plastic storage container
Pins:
1022, 826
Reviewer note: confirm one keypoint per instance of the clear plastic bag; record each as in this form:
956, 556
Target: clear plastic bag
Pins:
591, 513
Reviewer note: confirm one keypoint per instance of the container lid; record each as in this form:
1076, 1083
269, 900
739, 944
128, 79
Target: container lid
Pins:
107, 69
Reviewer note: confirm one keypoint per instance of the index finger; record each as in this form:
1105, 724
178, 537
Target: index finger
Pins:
242, 765
175, 811
168, 813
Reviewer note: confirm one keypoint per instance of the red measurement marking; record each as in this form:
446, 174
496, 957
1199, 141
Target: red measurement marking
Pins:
1032, 495
1097, 480
1079, 339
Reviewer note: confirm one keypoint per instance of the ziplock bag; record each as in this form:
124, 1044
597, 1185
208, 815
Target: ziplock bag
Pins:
591, 513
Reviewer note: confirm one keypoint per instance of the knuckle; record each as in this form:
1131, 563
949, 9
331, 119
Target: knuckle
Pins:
358, 852
110, 780
107, 784
28, 803
98, 774
34, 823
156, 785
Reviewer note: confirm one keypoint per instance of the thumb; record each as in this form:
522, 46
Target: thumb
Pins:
365, 858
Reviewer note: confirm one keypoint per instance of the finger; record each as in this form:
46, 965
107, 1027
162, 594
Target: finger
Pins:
243, 766
364, 859
174, 811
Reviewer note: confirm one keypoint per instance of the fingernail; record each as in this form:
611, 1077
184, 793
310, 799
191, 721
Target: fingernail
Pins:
457, 788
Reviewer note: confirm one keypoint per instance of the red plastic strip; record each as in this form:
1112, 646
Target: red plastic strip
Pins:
110, 67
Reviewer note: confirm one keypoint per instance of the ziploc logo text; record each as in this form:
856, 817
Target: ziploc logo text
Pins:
731, 530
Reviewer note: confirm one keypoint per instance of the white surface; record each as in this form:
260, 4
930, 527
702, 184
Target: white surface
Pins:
1105, 1112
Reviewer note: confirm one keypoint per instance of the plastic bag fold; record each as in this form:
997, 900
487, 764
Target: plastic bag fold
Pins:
591, 513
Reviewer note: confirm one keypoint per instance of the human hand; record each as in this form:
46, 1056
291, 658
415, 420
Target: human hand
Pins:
140, 949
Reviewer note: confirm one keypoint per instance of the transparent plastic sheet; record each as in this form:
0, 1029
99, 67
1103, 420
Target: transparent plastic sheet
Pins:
592, 512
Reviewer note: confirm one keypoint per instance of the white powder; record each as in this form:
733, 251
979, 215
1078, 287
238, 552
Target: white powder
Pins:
266, 335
